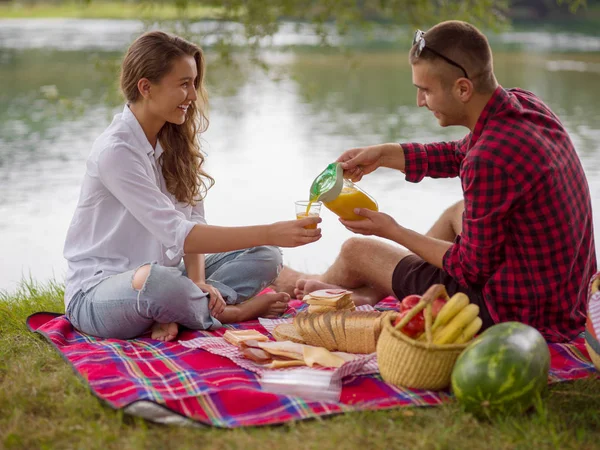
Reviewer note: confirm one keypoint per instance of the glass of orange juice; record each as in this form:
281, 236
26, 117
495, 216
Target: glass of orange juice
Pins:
305, 208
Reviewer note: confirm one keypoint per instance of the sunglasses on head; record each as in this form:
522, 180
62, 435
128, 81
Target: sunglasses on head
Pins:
419, 41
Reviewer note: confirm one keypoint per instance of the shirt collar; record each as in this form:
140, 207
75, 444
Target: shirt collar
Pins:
130, 119
496, 102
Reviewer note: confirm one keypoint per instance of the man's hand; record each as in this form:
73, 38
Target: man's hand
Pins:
358, 162
375, 224
216, 304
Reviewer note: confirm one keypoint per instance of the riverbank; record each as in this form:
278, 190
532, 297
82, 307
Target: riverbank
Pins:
585, 20
104, 10
44, 405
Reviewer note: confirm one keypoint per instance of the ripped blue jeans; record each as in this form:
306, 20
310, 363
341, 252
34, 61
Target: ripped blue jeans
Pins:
115, 309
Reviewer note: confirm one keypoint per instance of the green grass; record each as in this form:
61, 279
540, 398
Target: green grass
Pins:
103, 10
44, 405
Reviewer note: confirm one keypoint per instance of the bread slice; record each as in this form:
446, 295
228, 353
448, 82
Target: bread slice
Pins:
319, 309
327, 297
236, 337
326, 335
328, 319
287, 332
338, 330
315, 330
370, 343
303, 328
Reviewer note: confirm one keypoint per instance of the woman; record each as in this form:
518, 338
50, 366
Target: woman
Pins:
136, 244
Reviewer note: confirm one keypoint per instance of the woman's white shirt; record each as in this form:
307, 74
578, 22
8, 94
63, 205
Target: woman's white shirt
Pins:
125, 217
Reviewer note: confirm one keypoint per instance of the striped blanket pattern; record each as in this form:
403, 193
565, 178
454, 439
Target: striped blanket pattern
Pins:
177, 383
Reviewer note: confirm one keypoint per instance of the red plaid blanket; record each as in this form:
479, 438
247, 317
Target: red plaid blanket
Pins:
170, 382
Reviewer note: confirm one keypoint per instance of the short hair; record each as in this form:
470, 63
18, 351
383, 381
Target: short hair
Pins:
464, 44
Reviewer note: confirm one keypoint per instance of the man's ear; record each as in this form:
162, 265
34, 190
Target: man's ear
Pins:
144, 86
464, 89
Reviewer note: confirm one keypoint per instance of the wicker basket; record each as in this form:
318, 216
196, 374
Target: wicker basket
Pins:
415, 364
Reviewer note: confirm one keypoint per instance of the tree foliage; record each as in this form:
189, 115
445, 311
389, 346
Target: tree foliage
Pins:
261, 19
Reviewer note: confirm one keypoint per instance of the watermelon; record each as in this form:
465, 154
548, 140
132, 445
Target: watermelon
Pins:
503, 371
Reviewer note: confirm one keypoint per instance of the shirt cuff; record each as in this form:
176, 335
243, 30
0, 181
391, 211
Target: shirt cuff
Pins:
451, 263
183, 229
415, 162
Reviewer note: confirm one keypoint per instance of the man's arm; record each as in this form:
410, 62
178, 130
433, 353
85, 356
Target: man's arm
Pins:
429, 249
437, 160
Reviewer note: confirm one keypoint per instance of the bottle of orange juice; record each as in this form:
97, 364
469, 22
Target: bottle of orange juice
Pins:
339, 195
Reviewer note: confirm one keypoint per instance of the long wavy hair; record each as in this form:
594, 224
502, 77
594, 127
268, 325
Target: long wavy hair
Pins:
152, 56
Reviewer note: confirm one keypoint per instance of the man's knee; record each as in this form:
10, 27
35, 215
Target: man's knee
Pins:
140, 276
356, 246
456, 209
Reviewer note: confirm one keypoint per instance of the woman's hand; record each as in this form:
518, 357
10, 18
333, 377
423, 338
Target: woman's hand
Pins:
375, 224
358, 162
216, 304
292, 233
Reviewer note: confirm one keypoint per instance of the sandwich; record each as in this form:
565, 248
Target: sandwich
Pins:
326, 300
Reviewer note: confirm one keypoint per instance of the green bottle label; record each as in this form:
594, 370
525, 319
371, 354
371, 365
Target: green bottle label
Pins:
324, 182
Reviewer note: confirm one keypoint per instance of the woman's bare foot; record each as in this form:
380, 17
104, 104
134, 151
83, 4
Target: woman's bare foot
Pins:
287, 279
304, 286
266, 305
165, 331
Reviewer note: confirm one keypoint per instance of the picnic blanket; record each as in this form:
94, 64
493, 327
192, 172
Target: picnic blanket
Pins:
176, 383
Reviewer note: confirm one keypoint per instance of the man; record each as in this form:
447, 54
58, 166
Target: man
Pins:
520, 244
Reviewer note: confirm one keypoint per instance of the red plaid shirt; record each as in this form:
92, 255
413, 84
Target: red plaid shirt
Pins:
527, 239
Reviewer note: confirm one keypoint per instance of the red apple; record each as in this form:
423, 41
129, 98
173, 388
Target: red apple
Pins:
438, 304
409, 302
414, 327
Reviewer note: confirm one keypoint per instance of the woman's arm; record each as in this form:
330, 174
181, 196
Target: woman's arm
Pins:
195, 267
214, 239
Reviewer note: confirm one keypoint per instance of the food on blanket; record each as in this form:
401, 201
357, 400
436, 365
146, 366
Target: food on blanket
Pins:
287, 332
452, 307
449, 333
257, 355
286, 349
283, 363
322, 357
325, 300
285, 354
415, 328
470, 331
502, 371
409, 302
236, 337
347, 331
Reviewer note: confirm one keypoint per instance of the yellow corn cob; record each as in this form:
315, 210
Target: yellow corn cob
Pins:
469, 331
450, 309
452, 331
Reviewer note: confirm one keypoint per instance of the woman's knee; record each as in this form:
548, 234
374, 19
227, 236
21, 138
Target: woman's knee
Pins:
156, 281
271, 262
140, 277
269, 254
